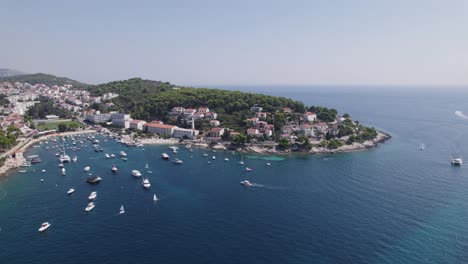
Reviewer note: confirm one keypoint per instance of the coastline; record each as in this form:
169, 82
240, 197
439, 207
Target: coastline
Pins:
12, 163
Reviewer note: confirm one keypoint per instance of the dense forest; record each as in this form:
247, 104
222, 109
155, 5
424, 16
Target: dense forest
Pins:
47, 107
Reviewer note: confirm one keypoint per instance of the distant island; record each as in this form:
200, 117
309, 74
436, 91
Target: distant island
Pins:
146, 111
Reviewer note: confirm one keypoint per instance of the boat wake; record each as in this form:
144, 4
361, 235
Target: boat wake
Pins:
461, 114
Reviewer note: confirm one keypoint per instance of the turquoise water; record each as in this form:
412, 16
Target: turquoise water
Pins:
391, 204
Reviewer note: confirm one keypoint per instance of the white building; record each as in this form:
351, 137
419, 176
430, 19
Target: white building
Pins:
185, 133
137, 124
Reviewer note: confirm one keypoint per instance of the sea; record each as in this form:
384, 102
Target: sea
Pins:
391, 204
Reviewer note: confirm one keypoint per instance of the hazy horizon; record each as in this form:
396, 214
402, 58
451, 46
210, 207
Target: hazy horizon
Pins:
246, 43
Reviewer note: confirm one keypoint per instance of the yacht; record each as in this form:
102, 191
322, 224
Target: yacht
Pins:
122, 210
136, 173
146, 183
71, 191
165, 156
44, 227
107, 156
92, 196
114, 168
63, 171
247, 183
93, 180
64, 158
87, 168
178, 161
89, 207
123, 154
457, 161
36, 160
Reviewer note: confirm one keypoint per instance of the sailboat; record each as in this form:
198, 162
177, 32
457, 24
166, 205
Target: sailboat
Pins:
155, 198
227, 157
122, 210
146, 167
241, 162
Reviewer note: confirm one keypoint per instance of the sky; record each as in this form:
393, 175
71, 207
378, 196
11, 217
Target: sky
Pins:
202, 42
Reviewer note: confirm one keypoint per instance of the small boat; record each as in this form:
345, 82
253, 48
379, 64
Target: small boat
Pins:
268, 164
150, 172
71, 191
107, 156
155, 198
93, 180
188, 146
114, 168
457, 161
89, 207
247, 183
43, 171
164, 156
101, 150
36, 160
64, 158
112, 156
123, 154
146, 166
177, 161
63, 171
421, 147
92, 196
174, 151
41, 180
214, 157
22, 171
226, 159
44, 227
241, 162
75, 158
122, 210
146, 183
136, 173
205, 155
60, 165
87, 168
248, 169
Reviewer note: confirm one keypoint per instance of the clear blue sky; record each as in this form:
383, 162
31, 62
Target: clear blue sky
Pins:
348, 42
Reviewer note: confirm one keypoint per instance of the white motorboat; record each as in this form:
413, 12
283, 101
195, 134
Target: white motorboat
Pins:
43, 171
122, 210
205, 155
177, 161
107, 156
241, 162
146, 183
112, 155
165, 156
89, 207
188, 146
71, 191
92, 196
248, 169
60, 165
136, 173
114, 168
146, 166
75, 158
63, 171
247, 183
155, 198
268, 164
214, 157
64, 157
44, 227
123, 154
226, 159
42, 180
457, 161
87, 168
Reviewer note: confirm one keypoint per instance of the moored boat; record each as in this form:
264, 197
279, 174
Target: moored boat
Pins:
177, 161
457, 161
44, 227
247, 183
146, 183
136, 173
93, 180
70, 191
89, 207
164, 156
92, 196
87, 168
114, 168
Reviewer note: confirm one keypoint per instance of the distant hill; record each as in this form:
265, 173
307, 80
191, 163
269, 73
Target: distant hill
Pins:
42, 78
9, 72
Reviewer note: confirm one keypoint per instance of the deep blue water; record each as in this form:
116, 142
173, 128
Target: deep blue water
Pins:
391, 204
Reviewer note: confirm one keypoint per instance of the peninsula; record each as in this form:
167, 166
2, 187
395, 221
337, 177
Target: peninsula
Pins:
144, 111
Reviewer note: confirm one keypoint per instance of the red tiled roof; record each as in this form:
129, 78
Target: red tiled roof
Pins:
159, 125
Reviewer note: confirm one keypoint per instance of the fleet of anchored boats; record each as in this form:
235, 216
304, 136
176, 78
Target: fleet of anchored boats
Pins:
64, 158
